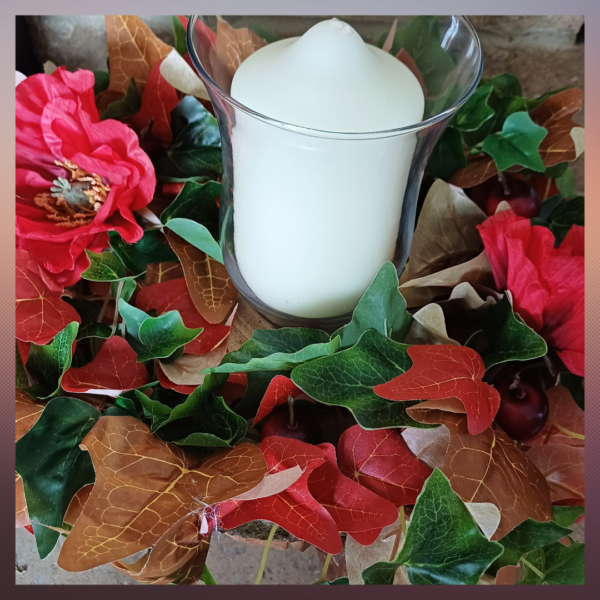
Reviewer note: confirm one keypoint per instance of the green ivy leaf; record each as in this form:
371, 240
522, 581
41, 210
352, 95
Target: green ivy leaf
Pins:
123, 289
565, 516
264, 343
448, 155
559, 565
528, 536
155, 337
565, 215
382, 307
505, 337
180, 36
94, 330
574, 383
104, 267
196, 147
52, 465
21, 378
517, 144
101, 81
443, 543
126, 107
347, 379
566, 184
147, 249
47, 364
475, 111
197, 235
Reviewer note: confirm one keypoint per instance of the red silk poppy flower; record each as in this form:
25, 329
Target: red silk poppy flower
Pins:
77, 177
547, 283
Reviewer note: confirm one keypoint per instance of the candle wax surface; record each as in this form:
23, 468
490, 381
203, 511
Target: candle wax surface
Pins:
316, 216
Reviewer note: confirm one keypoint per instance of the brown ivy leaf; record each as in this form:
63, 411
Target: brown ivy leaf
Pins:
132, 51
178, 556
76, 505
563, 468
159, 272
488, 467
446, 234
208, 282
509, 575
21, 516
144, 486
232, 48
439, 286
479, 169
428, 326
556, 115
27, 412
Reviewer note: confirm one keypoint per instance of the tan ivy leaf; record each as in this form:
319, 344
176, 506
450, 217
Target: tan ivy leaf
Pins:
210, 287
21, 516
185, 370
479, 169
144, 486
76, 505
132, 51
446, 234
27, 412
165, 271
429, 327
488, 467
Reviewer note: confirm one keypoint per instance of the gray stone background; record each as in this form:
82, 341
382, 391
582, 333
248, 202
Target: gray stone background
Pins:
541, 50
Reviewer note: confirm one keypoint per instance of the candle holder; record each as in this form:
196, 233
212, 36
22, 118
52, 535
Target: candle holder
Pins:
308, 216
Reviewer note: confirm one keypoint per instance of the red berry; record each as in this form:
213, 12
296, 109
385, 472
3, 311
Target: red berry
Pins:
522, 197
278, 424
523, 408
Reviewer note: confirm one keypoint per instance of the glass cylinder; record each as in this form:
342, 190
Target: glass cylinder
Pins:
308, 216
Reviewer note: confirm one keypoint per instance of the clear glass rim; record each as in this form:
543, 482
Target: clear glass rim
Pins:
343, 135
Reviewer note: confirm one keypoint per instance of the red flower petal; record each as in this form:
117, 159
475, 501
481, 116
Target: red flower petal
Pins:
174, 295
381, 461
294, 509
40, 311
276, 395
354, 508
442, 372
113, 368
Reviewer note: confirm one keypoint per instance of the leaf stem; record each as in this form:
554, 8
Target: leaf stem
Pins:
265, 553
577, 436
323, 577
399, 533
534, 569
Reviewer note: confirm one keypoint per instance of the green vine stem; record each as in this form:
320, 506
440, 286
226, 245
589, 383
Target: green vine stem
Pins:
265, 553
323, 577
534, 569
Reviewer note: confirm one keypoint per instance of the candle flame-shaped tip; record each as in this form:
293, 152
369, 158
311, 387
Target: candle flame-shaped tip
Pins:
342, 27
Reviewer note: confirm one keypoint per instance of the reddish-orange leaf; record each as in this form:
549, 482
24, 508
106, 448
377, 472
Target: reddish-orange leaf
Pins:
27, 412
488, 467
178, 556
277, 394
354, 508
566, 422
381, 461
40, 312
563, 468
210, 287
174, 295
77, 503
133, 50
447, 371
556, 115
293, 509
113, 368
159, 99
144, 486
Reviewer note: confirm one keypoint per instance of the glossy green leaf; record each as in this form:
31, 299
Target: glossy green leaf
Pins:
47, 364
148, 249
505, 337
558, 565
565, 215
517, 144
123, 289
126, 107
104, 267
94, 330
196, 147
180, 36
382, 307
197, 235
475, 111
348, 377
574, 383
443, 543
101, 81
155, 337
207, 577
566, 184
565, 516
447, 156
52, 465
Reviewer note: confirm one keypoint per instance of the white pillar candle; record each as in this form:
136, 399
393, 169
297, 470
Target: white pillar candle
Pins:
315, 216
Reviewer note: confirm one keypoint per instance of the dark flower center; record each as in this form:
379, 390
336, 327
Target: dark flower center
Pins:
75, 202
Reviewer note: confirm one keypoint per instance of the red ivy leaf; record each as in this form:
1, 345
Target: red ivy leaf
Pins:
159, 99
354, 508
381, 461
174, 295
113, 368
443, 372
40, 312
294, 509
276, 395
